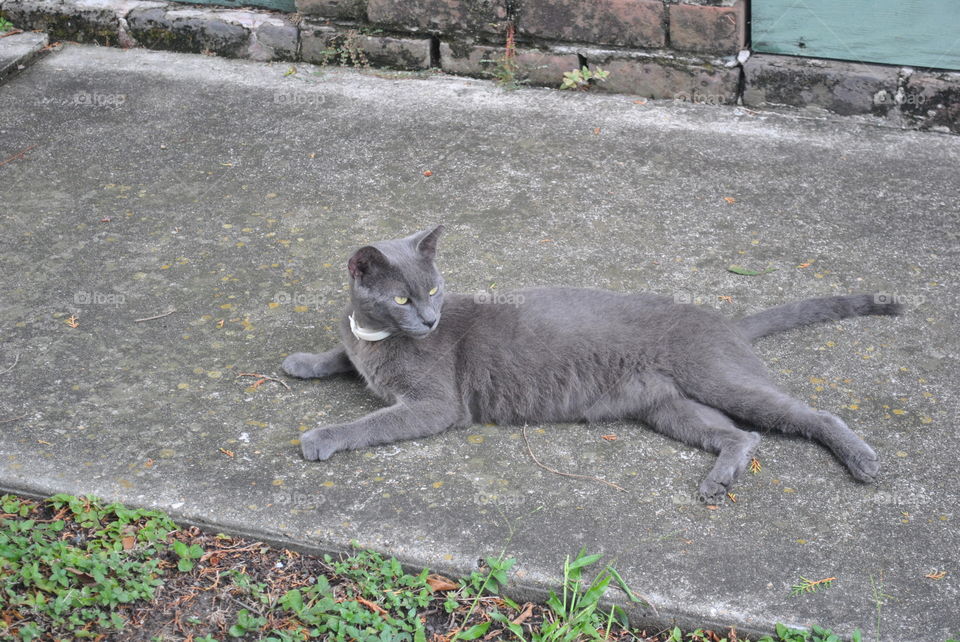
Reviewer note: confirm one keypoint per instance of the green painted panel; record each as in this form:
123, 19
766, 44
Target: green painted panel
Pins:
919, 33
276, 5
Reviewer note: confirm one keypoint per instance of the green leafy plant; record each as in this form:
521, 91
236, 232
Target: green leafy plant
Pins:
65, 581
476, 586
5, 25
187, 555
582, 78
246, 623
574, 611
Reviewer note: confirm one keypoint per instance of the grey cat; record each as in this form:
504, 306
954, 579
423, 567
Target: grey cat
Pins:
444, 360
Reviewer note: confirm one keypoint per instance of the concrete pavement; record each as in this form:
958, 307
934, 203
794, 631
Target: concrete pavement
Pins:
233, 193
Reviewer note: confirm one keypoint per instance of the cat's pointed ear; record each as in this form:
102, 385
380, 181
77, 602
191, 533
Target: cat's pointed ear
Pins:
365, 261
426, 242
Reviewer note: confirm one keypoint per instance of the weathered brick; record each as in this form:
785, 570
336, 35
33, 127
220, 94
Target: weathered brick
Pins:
668, 77
338, 9
532, 66
189, 30
931, 100
82, 21
317, 41
842, 87
469, 60
410, 54
710, 30
275, 38
440, 16
626, 23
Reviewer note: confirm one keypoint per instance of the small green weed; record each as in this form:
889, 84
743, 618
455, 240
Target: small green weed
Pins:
582, 78
811, 586
62, 582
815, 634
5, 25
505, 68
346, 50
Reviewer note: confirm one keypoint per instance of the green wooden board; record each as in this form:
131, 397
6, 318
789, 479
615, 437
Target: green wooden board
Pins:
918, 33
276, 5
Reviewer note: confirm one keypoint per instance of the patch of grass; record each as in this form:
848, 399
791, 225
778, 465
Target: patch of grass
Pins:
67, 563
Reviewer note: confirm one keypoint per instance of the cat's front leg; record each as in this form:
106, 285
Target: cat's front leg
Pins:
307, 366
403, 420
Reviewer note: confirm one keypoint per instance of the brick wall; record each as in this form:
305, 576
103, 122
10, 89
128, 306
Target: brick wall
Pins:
652, 48
686, 50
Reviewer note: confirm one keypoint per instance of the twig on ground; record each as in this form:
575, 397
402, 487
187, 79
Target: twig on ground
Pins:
159, 316
523, 431
6, 421
262, 376
17, 155
16, 360
12, 32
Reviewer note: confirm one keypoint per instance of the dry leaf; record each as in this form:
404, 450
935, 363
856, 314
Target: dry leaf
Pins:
373, 606
596, 130
228, 453
73, 321
712, 507
106, 219
609, 437
642, 101
128, 542
546, 241
805, 265
259, 382
428, 173
45, 443
936, 575
440, 583
148, 463
527, 612
755, 466
733, 497
727, 299
220, 323
730, 199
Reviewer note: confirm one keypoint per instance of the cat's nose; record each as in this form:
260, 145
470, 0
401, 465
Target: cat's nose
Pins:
429, 320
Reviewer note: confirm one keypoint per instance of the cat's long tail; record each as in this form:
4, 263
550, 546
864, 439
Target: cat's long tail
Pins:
831, 308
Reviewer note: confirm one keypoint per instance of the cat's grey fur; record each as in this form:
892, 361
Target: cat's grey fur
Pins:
566, 354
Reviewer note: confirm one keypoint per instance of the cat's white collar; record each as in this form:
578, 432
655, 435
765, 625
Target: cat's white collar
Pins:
367, 335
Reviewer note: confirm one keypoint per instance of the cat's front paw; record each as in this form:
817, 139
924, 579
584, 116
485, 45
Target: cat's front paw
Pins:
302, 365
318, 444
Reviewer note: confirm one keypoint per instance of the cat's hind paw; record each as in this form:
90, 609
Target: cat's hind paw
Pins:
864, 464
712, 492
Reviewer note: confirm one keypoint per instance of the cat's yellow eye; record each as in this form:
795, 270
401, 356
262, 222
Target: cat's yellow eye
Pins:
402, 300
432, 291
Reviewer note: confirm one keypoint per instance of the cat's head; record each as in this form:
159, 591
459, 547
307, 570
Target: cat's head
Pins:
396, 286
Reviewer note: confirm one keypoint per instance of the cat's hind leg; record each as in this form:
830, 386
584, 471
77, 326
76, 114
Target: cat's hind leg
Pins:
757, 401
698, 425
307, 366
